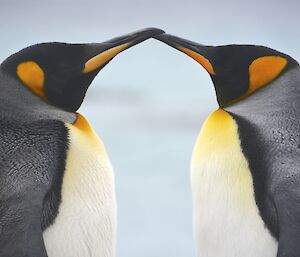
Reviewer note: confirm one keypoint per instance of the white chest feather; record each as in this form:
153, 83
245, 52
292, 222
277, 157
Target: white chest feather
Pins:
226, 218
86, 222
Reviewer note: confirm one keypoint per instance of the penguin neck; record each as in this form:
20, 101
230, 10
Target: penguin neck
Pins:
274, 100
18, 103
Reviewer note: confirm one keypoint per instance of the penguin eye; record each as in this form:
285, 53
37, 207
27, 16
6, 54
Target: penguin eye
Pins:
32, 75
263, 70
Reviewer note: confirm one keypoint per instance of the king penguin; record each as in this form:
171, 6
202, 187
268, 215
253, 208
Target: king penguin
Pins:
245, 172
56, 181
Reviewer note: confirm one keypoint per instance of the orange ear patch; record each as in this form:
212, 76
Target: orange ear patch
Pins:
263, 70
32, 75
200, 59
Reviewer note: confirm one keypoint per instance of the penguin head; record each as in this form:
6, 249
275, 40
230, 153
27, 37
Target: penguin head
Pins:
61, 73
237, 71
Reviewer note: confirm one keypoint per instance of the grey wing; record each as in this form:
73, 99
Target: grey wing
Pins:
28, 157
287, 201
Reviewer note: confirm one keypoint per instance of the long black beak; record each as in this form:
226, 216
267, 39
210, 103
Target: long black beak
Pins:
200, 53
102, 53
61, 73
135, 37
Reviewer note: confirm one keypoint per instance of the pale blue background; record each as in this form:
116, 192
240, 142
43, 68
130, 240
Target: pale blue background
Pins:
149, 103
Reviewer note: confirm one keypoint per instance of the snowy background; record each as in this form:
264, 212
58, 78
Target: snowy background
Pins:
149, 103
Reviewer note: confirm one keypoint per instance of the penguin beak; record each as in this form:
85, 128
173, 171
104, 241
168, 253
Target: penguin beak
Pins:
109, 49
200, 53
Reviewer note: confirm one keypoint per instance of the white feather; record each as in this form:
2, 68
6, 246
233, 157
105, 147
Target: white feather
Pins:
86, 223
226, 218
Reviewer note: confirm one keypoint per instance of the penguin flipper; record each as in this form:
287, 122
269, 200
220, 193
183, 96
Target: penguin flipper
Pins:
287, 201
21, 233
20, 211
31, 163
